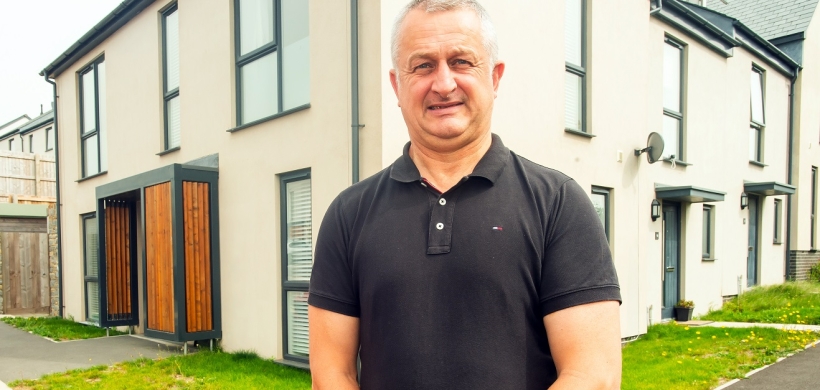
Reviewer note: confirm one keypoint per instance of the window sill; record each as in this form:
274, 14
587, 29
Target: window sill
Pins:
48, 150
580, 133
91, 177
758, 163
168, 151
677, 162
709, 260
294, 364
777, 243
269, 118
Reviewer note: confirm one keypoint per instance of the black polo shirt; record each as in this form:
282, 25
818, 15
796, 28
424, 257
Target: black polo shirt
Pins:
451, 289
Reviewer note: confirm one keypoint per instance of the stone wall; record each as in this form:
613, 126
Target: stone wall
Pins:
800, 263
53, 267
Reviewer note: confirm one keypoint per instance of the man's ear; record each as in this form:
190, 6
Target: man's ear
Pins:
395, 83
498, 71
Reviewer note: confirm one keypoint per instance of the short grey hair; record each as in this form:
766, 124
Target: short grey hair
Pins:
489, 38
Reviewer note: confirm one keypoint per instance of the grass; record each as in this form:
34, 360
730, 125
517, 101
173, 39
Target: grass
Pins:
788, 303
56, 328
671, 356
203, 370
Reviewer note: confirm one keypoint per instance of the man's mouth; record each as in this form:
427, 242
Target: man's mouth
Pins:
445, 105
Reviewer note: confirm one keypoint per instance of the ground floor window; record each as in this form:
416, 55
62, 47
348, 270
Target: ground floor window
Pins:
91, 267
297, 260
600, 200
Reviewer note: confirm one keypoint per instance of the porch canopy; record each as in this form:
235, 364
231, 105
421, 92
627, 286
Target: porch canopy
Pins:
689, 194
177, 208
768, 188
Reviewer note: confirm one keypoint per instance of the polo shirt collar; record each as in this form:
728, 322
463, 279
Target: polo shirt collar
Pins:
489, 167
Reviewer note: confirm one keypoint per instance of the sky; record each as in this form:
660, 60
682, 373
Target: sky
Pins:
33, 33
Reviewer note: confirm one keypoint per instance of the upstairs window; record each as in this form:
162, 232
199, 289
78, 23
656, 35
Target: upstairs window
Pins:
170, 65
49, 139
758, 117
93, 137
272, 58
673, 100
31, 143
11, 144
576, 71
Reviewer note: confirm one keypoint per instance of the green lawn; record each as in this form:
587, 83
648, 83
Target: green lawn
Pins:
788, 303
57, 328
203, 370
672, 356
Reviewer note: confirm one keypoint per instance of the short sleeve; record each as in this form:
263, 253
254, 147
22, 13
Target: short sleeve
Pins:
332, 281
577, 266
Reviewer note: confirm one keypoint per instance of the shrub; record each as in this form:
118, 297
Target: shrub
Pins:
814, 274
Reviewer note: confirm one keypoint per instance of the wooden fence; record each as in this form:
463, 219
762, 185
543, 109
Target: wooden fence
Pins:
27, 174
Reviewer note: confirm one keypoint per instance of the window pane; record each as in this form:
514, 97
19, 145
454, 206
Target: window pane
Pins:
91, 156
172, 110
573, 31
599, 202
573, 90
671, 137
259, 89
49, 139
172, 51
757, 97
89, 102
91, 247
754, 143
102, 113
295, 54
92, 296
255, 24
298, 323
300, 232
671, 77
707, 232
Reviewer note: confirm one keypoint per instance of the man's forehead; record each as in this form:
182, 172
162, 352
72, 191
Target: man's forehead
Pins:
426, 52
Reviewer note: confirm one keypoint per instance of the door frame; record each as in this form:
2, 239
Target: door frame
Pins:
669, 312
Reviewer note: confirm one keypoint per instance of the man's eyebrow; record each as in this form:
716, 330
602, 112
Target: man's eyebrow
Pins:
456, 51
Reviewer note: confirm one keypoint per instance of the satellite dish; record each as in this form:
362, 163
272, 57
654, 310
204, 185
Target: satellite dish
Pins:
653, 149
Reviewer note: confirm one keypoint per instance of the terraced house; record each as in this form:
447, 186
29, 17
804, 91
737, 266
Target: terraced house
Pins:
200, 143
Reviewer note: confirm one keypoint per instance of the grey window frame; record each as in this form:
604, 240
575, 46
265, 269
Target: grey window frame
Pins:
31, 143
581, 70
607, 193
289, 285
49, 146
813, 208
93, 67
708, 233
167, 95
88, 279
679, 116
778, 222
758, 126
11, 144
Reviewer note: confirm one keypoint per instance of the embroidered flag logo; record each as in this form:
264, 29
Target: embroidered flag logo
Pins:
498, 228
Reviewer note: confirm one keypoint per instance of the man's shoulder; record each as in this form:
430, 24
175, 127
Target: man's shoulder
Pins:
539, 175
353, 195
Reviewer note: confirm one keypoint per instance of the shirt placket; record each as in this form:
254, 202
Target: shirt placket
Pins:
440, 227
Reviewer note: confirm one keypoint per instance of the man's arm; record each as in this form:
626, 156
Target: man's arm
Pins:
585, 342
334, 346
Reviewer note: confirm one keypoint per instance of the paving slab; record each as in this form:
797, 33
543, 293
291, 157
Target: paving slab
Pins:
27, 356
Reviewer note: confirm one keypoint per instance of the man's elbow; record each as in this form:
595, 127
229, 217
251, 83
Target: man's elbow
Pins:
576, 380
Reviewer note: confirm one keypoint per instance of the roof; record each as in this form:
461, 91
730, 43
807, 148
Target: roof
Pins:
38, 122
121, 15
769, 18
24, 116
12, 126
689, 194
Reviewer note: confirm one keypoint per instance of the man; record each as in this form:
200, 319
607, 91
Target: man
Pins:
462, 265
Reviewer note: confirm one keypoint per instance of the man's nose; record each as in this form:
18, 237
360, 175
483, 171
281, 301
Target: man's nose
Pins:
444, 83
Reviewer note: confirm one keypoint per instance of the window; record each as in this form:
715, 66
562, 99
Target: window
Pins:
757, 116
272, 57
708, 232
31, 143
49, 139
297, 261
91, 272
778, 221
813, 207
92, 119
600, 200
11, 144
170, 66
575, 57
673, 100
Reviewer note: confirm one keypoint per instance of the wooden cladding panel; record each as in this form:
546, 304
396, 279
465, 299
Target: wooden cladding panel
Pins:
197, 227
159, 258
118, 260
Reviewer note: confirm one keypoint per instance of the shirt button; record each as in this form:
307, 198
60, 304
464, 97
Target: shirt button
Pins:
439, 226
442, 201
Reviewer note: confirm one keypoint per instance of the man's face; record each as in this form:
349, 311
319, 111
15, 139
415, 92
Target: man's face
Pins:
443, 78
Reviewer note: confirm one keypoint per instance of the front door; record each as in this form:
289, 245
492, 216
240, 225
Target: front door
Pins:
671, 258
751, 260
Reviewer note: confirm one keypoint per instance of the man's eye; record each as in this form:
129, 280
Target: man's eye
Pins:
424, 66
460, 62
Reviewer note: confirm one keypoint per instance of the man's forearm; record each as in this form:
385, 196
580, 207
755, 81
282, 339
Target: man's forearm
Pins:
336, 382
579, 381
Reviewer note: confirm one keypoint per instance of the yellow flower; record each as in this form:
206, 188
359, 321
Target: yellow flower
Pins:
686, 328
663, 353
680, 362
698, 332
714, 337
690, 349
698, 337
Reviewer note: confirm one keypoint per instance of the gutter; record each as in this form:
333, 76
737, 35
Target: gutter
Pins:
789, 179
57, 206
354, 88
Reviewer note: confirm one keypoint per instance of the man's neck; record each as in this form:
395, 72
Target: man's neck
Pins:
445, 169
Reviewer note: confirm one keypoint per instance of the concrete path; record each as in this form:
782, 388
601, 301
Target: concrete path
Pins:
27, 356
797, 372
